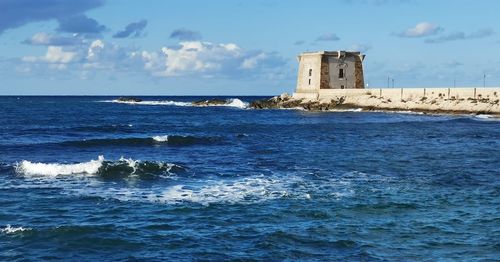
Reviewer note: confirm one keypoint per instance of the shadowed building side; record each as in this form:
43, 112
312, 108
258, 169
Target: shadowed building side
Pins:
329, 70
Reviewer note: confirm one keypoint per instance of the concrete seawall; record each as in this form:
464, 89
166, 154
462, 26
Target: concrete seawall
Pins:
459, 100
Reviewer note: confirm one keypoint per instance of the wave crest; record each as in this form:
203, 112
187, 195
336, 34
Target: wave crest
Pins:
10, 230
232, 102
108, 169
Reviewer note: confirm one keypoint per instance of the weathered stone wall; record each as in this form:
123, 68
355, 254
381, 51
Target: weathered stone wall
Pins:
359, 76
325, 73
347, 64
438, 100
413, 93
306, 83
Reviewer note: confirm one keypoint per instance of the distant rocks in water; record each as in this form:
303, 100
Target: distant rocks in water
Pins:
129, 99
288, 102
211, 102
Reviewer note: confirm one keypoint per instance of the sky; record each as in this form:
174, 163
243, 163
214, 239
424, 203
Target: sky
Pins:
239, 47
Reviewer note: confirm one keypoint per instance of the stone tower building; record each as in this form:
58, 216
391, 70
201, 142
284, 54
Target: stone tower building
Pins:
329, 70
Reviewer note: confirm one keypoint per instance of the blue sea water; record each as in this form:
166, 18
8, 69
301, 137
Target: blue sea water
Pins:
86, 178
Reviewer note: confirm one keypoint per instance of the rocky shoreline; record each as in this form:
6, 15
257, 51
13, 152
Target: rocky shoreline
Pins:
373, 103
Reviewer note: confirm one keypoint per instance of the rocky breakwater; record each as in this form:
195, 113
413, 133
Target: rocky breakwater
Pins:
369, 101
128, 99
285, 101
211, 102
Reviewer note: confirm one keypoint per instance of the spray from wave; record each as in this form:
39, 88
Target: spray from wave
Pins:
124, 167
232, 102
11, 230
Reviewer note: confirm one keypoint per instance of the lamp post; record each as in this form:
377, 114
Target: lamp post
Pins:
393, 83
484, 80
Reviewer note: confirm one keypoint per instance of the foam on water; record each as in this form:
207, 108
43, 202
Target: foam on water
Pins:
233, 102
487, 117
53, 169
248, 190
160, 138
10, 230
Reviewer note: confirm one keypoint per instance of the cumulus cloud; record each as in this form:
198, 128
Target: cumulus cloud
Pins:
328, 37
421, 30
16, 13
209, 60
43, 38
55, 54
482, 33
189, 58
183, 34
80, 24
133, 29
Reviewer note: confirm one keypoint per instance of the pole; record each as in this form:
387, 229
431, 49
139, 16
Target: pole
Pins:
454, 83
484, 80
393, 83
388, 78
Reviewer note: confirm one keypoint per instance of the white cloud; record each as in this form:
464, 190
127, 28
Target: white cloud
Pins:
55, 54
251, 62
421, 30
190, 58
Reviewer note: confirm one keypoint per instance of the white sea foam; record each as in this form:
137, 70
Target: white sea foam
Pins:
254, 189
487, 117
10, 230
233, 102
53, 169
160, 138
88, 168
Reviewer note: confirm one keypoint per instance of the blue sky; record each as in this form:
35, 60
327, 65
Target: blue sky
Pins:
162, 47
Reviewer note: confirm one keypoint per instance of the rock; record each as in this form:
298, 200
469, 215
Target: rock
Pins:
285, 96
129, 99
210, 102
286, 101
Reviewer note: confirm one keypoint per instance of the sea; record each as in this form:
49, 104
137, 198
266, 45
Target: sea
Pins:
87, 178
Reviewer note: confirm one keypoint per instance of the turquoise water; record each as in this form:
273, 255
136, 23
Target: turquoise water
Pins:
86, 178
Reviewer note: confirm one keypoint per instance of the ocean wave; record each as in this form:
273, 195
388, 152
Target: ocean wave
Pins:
173, 140
11, 230
247, 190
124, 167
485, 117
232, 102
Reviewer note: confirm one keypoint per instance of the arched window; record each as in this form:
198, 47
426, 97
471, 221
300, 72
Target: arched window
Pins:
310, 72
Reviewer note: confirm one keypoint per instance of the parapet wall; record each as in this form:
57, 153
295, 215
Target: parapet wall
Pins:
404, 93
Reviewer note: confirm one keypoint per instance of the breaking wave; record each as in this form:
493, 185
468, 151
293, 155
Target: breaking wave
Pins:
232, 102
172, 140
108, 169
11, 230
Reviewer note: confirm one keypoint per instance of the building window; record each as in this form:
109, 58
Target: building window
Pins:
342, 87
309, 81
310, 72
341, 73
